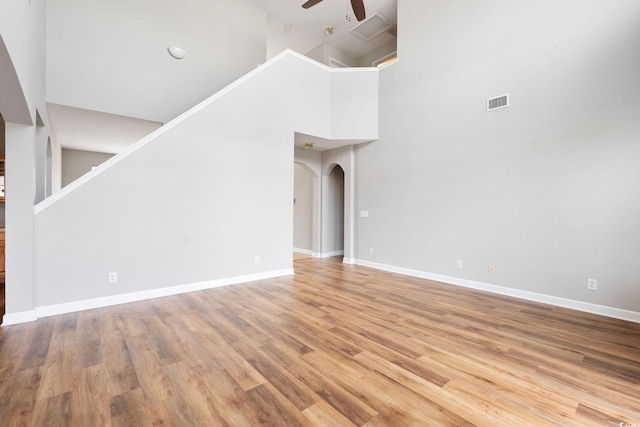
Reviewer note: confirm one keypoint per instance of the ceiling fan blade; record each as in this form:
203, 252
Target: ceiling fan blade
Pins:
310, 3
358, 9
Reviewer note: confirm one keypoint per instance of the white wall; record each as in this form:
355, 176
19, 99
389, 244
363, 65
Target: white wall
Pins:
331, 232
330, 51
302, 208
311, 160
547, 189
349, 123
112, 56
335, 211
76, 163
375, 55
22, 71
22, 60
177, 208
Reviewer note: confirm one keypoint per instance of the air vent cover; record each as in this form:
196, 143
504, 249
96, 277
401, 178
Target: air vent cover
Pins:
371, 27
498, 102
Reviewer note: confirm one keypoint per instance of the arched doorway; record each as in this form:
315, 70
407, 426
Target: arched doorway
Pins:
333, 174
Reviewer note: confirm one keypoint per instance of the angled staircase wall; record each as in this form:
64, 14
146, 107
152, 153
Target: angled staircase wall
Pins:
193, 204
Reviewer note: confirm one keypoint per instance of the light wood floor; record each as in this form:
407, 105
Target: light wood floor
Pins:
334, 345
300, 255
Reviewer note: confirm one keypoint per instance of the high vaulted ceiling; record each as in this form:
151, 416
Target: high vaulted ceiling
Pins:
291, 26
95, 73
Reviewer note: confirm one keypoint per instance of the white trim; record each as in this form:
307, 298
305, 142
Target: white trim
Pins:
617, 313
351, 261
329, 254
182, 117
71, 307
21, 317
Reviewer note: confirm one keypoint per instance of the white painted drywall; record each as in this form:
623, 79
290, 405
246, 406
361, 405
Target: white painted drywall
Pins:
311, 160
22, 64
86, 130
375, 55
112, 56
13, 103
302, 208
178, 208
355, 101
333, 238
22, 60
20, 193
76, 163
547, 189
335, 211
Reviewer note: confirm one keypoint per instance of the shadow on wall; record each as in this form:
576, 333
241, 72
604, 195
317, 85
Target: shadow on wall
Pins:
76, 163
336, 214
302, 209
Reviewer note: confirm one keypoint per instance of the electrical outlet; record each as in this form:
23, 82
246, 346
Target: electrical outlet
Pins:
492, 269
592, 284
371, 251
257, 259
458, 263
113, 277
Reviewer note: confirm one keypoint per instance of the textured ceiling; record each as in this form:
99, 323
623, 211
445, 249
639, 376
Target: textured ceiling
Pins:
307, 26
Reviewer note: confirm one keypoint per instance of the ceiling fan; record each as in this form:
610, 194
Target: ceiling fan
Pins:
357, 5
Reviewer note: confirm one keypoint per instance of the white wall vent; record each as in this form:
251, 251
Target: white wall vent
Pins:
498, 102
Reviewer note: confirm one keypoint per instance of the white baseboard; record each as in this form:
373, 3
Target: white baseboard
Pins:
616, 313
71, 307
21, 317
329, 254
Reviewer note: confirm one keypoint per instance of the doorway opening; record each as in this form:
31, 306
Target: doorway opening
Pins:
335, 213
326, 178
303, 195
48, 174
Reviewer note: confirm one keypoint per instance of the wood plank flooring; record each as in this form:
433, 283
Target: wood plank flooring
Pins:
334, 345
